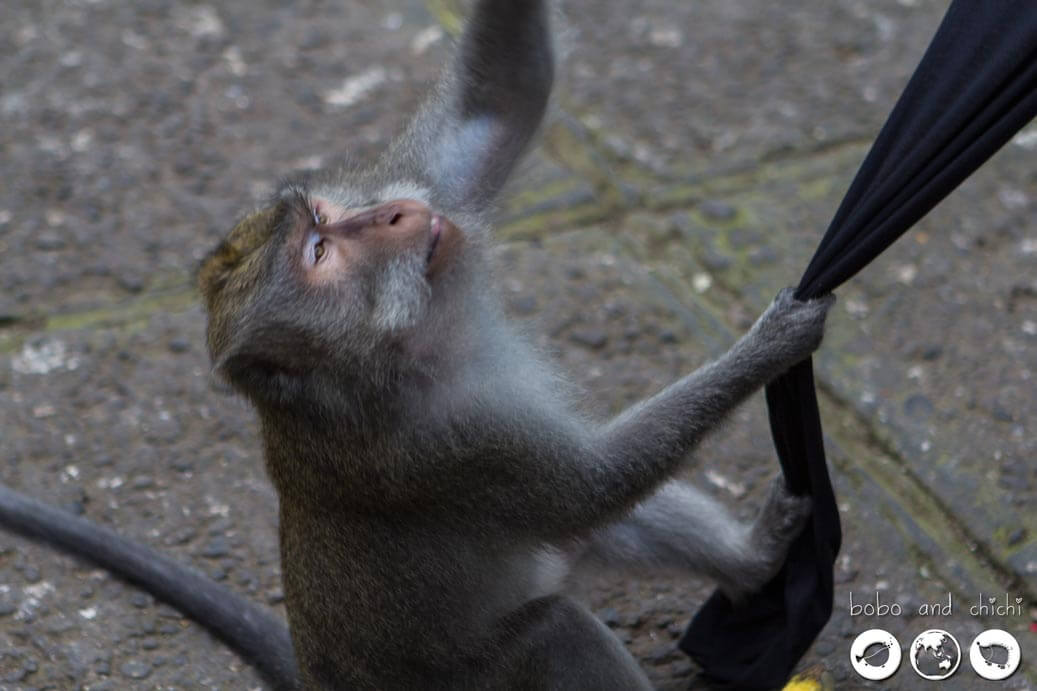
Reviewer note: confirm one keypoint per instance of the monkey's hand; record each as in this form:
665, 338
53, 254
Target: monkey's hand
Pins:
790, 329
780, 521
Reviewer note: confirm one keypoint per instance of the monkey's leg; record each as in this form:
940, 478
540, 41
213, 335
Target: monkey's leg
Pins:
681, 527
556, 644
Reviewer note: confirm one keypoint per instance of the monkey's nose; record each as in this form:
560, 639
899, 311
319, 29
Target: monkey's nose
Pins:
403, 216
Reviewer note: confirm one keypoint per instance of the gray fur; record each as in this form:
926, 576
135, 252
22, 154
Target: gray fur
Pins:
436, 485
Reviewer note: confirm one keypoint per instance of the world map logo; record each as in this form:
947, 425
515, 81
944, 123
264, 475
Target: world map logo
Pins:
935, 654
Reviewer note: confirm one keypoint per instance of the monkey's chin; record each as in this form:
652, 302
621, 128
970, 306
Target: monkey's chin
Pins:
444, 237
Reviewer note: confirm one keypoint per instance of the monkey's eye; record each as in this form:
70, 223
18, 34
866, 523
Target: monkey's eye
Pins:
319, 218
315, 248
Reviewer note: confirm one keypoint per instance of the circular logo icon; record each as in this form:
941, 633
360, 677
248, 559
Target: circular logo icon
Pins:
994, 654
875, 654
935, 654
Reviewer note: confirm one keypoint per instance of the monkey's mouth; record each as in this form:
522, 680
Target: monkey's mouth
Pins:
443, 243
436, 231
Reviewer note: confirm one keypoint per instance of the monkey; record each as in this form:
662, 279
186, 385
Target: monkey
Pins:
436, 485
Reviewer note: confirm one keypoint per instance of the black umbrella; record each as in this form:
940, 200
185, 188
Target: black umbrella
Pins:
975, 87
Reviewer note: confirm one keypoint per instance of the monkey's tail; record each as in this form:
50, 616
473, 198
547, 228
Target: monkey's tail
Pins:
249, 629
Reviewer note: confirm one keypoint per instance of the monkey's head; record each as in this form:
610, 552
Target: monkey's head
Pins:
320, 283
365, 273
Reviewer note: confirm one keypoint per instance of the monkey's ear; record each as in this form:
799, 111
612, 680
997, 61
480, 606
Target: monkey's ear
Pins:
489, 104
266, 364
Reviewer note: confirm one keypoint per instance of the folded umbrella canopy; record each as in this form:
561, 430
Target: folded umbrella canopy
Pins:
974, 89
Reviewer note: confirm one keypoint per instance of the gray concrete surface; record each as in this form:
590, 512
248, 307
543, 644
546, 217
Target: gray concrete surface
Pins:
697, 153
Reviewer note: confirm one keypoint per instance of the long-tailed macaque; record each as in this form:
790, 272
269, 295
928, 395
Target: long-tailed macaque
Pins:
435, 485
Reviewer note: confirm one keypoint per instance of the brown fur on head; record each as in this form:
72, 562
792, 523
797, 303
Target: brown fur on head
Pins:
313, 285
228, 275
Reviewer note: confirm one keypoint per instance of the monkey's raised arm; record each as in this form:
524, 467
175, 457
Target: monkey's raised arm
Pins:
488, 105
585, 479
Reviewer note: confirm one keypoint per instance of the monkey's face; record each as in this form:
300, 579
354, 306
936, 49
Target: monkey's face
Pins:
385, 258
311, 280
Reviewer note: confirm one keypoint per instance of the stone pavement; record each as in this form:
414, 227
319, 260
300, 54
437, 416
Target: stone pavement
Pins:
696, 155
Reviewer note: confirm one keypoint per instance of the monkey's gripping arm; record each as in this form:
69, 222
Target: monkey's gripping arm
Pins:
559, 479
248, 628
663, 429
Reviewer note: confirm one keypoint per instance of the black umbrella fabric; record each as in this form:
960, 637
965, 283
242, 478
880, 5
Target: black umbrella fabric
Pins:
974, 89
